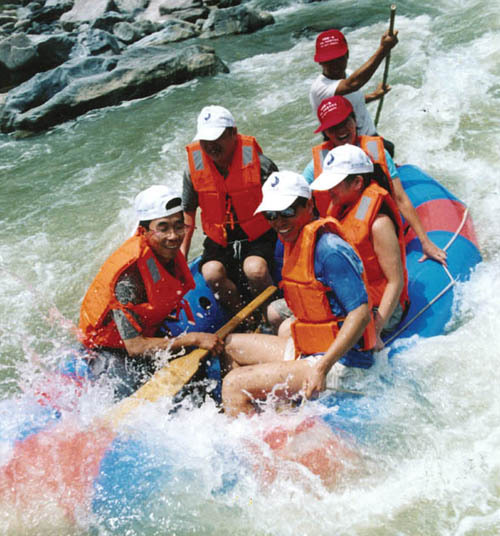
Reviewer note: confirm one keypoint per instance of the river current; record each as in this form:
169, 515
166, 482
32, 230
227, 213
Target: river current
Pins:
66, 204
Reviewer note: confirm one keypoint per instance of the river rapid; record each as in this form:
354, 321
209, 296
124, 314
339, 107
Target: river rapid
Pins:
66, 204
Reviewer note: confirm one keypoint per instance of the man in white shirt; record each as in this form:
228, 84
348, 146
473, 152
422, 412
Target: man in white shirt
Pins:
332, 53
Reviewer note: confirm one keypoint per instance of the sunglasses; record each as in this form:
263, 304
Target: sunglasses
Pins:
289, 212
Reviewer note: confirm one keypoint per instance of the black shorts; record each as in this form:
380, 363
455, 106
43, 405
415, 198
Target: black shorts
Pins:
126, 373
233, 255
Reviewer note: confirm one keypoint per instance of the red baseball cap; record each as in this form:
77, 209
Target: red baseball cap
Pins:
333, 111
330, 45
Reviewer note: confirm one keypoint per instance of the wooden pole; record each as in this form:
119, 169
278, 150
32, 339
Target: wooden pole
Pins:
386, 67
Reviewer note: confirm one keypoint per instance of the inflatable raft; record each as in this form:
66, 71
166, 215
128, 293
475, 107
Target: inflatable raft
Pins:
108, 472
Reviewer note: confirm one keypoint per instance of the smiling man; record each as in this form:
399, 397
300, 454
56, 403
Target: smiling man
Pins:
140, 284
323, 284
225, 174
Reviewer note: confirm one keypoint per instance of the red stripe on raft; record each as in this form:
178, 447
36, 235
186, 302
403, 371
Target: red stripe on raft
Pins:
444, 215
55, 468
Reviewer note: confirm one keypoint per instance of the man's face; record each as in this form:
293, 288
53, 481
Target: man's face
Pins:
222, 149
342, 133
165, 235
288, 226
335, 69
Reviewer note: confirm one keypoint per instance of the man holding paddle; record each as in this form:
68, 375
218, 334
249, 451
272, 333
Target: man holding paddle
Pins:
324, 286
332, 53
140, 284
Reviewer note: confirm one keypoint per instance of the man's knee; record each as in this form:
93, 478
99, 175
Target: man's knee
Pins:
256, 268
213, 272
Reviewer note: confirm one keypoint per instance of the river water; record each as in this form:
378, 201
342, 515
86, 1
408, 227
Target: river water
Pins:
65, 204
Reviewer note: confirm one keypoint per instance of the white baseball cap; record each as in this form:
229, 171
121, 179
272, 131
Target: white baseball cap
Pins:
212, 122
281, 189
339, 163
157, 201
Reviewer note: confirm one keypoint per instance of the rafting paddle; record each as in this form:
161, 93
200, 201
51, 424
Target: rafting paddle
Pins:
64, 460
386, 66
170, 379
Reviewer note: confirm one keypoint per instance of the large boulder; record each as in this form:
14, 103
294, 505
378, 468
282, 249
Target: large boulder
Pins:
234, 20
85, 11
174, 30
95, 42
130, 6
83, 84
188, 10
21, 56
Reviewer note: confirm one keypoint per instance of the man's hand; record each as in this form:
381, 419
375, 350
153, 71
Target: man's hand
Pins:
379, 92
208, 341
388, 41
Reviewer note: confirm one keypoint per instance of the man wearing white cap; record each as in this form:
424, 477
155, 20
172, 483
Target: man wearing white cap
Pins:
225, 174
139, 285
371, 221
324, 287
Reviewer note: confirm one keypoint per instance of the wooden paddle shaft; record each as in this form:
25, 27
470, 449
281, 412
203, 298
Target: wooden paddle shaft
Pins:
170, 379
386, 66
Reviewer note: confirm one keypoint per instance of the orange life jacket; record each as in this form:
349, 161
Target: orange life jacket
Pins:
321, 198
373, 147
240, 191
357, 224
164, 294
315, 326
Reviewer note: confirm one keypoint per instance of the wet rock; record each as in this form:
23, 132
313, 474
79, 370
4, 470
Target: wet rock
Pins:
130, 6
234, 20
85, 11
190, 15
108, 20
84, 84
174, 30
221, 4
21, 56
127, 32
94, 42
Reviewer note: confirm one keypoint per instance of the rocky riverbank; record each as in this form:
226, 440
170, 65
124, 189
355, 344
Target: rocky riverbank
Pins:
62, 58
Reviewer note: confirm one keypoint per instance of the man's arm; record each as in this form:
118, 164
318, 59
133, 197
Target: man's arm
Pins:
189, 220
130, 290
140, 345
379, 92
361, 76
189, 204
